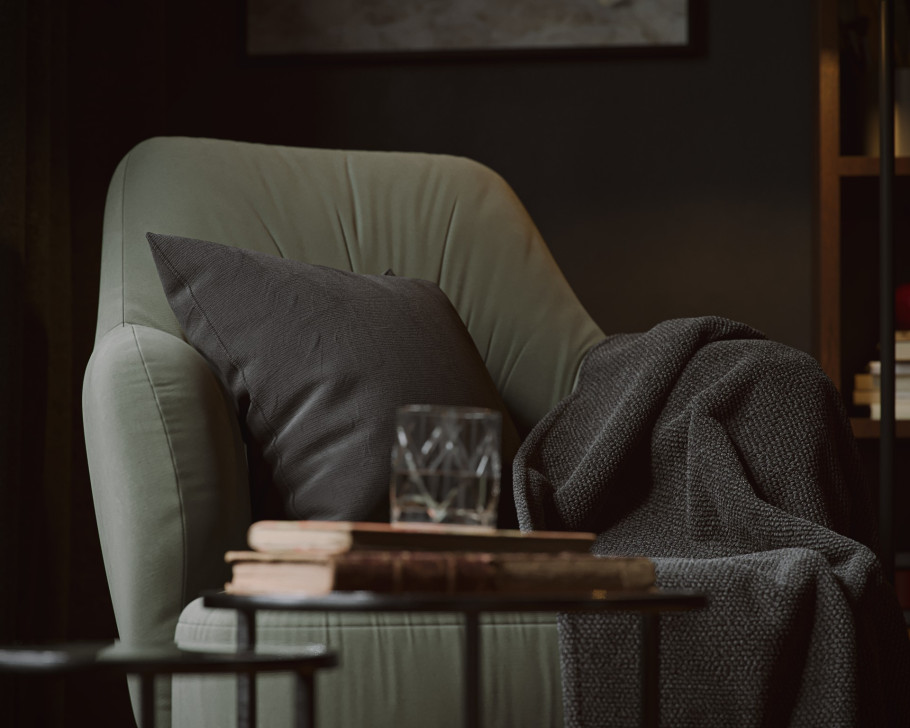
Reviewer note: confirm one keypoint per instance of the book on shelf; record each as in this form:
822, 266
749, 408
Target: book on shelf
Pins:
901, 410
341, 536
867, 381
902, 345
318, 573
874, 396
867, 388
901, 368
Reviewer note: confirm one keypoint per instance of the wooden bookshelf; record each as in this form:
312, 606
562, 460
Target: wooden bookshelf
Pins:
847, 230
857, 166
847, 217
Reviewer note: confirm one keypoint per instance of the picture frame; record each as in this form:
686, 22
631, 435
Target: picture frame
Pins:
339, 30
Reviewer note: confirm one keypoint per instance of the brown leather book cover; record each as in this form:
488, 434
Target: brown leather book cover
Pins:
436, 572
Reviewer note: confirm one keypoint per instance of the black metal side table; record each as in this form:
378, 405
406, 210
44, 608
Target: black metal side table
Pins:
648, 603
108, 658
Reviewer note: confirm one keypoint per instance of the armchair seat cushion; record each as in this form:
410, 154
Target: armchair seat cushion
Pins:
395, 669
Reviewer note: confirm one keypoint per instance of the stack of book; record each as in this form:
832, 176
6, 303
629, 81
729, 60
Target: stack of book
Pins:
867, 384
317, 557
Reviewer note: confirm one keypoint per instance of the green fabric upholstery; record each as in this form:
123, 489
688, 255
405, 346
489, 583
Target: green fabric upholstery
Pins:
395, 669
166, 460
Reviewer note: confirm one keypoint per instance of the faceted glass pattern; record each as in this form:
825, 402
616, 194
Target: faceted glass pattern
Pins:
446, 465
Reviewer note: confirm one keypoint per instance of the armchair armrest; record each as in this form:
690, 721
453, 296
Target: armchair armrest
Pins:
169, 476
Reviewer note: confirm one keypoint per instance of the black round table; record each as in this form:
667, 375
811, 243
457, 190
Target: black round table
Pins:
148, 662
649, 604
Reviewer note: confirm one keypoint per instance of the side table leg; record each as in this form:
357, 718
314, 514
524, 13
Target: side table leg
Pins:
471, 670
147, 692
305, 697
246, 681
650, 670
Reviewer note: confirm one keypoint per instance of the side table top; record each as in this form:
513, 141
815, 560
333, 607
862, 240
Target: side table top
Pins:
120, 658
362, 601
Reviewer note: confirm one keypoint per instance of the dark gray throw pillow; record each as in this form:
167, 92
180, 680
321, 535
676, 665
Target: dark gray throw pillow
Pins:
317, 361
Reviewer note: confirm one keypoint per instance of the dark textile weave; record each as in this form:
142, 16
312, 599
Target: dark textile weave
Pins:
317, 360
729, 460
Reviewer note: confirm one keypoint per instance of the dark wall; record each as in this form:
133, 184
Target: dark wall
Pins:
665, 187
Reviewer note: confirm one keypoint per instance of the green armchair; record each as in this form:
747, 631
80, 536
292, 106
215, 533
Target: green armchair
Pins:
166, 457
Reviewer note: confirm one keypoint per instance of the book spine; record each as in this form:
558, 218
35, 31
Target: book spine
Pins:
414, 572
901, 411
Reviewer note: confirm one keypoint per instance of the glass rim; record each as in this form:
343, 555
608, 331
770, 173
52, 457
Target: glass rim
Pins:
465, 411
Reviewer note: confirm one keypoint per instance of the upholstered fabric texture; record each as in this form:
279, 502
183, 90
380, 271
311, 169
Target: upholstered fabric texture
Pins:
317, 360
395, 669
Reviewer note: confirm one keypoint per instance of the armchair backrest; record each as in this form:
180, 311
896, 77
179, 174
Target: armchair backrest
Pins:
441, 218
165, 456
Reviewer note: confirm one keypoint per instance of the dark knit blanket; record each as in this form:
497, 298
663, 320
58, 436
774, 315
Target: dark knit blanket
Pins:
729, 460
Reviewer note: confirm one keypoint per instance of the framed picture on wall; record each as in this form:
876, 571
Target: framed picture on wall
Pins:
345, 28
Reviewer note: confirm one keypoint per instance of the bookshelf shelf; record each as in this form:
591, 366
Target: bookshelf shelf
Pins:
866, 429
857, 166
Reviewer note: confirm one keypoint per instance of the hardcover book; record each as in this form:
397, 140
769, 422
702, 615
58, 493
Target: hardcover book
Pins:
313, 574
341, 536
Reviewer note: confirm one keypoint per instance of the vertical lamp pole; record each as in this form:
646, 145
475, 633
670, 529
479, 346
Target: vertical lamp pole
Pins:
886, 284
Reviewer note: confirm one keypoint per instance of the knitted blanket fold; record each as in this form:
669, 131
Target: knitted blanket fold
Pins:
729, 460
